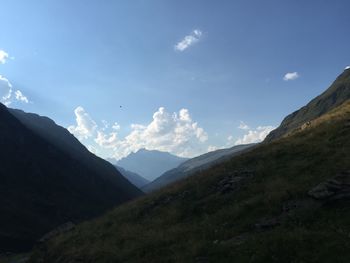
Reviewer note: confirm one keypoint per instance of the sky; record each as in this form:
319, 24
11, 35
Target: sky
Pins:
181, 76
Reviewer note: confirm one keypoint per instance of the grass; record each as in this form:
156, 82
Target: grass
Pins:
192, 221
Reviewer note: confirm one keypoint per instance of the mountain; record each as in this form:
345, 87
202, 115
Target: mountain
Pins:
334, 96
133, 178
194, 165
282, 201
43, 186
150, 164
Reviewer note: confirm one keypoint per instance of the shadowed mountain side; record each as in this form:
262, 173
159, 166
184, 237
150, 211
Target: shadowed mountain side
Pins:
334, 96
64, 140
42, 187
194, 165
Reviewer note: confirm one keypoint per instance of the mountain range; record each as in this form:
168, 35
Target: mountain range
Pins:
150, 164
283, 200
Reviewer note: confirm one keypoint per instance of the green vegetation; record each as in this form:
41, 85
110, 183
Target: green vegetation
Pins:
252, 208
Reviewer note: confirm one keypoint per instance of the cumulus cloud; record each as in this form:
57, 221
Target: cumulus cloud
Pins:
5, 90
21, 97
189, 40
107, 140
243, 126
254, 136
3, 56
116, 126
8, 94
171, 132
85, 125
176, 133
291, 76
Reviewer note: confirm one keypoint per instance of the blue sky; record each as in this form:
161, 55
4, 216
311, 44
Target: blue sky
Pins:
217, 65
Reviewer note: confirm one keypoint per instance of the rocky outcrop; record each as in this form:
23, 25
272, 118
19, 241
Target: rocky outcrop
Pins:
233, 182
337, 188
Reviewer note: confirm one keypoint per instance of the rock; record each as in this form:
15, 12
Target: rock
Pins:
232, 182
337, 188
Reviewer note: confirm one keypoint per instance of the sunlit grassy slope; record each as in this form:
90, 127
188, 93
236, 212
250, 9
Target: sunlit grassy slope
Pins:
252, 208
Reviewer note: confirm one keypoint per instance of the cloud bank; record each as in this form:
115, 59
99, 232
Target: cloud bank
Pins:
189, 40
174, 132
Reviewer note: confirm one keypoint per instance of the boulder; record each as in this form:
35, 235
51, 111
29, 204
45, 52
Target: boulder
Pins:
337, 188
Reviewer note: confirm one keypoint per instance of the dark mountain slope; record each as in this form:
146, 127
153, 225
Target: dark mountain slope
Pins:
133, 178
194, 165
63, 139
271, 204
150, 164
335, 95
41, 186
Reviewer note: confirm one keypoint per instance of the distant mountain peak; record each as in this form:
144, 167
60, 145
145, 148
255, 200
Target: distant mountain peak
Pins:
150, 163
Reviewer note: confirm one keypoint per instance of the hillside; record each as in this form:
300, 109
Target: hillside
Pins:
43, 187
150, 164
194, 165
284, 201
334, 96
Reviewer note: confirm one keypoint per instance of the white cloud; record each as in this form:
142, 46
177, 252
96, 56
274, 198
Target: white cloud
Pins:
21, 97
254, 136
116, 126
176, 133
85, 125
107, 141
189, 40
243, 126
3, 56
291, 76
347, 67
7, 92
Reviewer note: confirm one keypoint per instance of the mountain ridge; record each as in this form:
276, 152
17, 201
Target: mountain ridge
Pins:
194, 165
